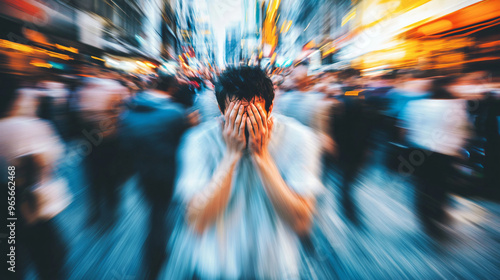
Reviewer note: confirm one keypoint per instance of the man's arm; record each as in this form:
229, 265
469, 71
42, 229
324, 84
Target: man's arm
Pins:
206, 206
296, 210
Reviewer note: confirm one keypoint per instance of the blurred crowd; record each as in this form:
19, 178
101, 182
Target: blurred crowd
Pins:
441, 131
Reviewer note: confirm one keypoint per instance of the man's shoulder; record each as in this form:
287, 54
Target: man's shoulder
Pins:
205, 131
291, 129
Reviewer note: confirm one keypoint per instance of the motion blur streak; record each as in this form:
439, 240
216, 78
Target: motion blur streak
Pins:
250, 139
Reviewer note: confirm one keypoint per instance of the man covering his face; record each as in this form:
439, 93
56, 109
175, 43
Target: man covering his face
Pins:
248, 184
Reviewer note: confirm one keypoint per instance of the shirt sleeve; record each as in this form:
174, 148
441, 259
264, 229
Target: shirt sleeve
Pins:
195, 166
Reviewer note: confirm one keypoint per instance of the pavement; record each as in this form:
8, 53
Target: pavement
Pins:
387, 243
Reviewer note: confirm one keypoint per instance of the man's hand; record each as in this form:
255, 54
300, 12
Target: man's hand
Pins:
234, 128
259, 128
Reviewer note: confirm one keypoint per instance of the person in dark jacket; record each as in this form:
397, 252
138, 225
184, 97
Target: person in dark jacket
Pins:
352, 133
151, 129
487, 126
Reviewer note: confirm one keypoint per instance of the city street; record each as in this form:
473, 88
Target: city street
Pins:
387, 244
250, 139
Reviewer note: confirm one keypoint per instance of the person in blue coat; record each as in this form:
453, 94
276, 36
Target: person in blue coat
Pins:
151, 128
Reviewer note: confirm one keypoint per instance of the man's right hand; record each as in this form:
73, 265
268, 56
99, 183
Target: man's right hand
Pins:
234, 128
207, 205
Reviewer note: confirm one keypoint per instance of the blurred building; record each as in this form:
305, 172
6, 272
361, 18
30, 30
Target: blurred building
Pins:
438, 35
196, 34
56, 34
233, 46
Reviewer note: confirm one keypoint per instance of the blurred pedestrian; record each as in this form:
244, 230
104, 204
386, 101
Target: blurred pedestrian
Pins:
30, 149
352, 130
152, 126
54, 96
98, 103
484, 106
409, 85
436, 130
311, 108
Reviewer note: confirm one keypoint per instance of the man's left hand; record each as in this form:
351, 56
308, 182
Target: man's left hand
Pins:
259, 127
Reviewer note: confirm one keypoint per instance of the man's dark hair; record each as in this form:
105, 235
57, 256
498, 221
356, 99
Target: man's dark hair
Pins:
244, 83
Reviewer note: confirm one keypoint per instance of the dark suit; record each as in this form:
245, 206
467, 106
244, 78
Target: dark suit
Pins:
151, 129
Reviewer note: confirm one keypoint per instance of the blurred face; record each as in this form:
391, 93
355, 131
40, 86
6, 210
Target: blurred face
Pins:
257, 101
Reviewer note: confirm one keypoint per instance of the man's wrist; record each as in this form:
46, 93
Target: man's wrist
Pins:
233, 156
262, 157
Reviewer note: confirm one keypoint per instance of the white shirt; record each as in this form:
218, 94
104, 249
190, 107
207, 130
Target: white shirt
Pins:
249, 239
27, 135
438, 125
99, 102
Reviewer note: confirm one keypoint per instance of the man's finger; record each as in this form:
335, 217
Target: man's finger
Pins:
252, 142
250, 128
242, 125
270, 123
254, 121
228, 112
233, 114
258, 117
239, 117
263, 115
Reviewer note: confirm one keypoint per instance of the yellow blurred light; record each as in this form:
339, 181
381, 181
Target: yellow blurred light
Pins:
268, 6
69, 49
353, 92
329, 51
54, 54
349, 16
41, 64
307, 26
436, 27
309, 45
149, 64
15, 46
288, 26
97, 58
29, 49
140, 63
